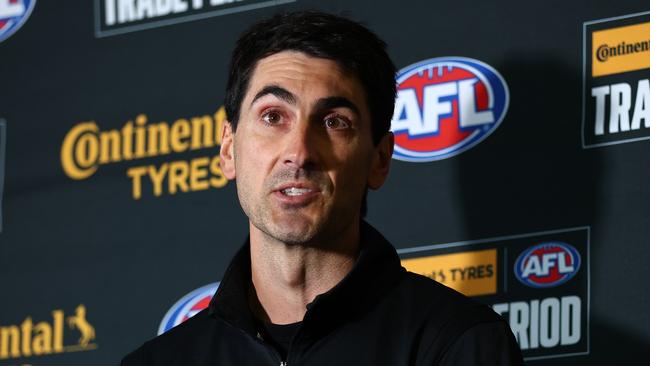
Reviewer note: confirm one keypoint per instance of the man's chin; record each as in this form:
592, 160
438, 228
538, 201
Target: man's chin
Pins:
293, 234
294, 230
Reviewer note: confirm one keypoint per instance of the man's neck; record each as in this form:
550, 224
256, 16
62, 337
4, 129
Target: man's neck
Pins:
288, 277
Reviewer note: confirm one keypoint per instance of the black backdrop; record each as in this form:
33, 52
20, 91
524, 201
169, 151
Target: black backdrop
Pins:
69, 245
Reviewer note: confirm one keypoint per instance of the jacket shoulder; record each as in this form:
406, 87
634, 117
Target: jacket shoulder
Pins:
442, 304
185, 336
445, 318
135, 358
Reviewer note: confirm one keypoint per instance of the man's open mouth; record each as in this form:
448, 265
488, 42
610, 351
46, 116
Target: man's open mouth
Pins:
294, 191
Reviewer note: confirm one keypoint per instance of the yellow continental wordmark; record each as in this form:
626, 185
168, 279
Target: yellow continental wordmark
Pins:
46, 337
85, 147
471, 273
620, 49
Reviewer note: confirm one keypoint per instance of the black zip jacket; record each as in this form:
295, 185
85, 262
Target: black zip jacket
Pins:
379, 314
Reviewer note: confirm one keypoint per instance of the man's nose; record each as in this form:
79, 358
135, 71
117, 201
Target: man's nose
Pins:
300, 146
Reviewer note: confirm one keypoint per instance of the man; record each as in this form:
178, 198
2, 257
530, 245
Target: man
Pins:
310, 98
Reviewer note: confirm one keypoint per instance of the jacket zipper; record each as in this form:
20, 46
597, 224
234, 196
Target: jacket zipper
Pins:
271, 350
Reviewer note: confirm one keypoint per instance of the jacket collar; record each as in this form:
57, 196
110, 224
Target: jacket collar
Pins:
375, 271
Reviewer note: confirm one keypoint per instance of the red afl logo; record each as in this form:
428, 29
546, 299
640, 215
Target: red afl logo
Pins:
13, 14
547, 264
445, 106
188, 306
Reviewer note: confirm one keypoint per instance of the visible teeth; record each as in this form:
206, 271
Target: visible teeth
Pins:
293, 191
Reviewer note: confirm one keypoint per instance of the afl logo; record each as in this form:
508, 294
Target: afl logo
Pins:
13, 14
547, 265
445, 106
188, 306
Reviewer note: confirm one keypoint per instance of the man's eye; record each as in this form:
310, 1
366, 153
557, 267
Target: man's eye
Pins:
336, 123
271, 117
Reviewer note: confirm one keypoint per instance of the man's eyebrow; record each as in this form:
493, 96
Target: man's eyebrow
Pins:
336, 102
278, 91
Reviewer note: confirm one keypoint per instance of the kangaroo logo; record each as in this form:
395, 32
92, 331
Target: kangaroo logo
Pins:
79, 321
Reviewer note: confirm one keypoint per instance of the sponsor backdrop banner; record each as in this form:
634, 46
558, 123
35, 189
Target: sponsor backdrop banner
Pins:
519, 176
539, 282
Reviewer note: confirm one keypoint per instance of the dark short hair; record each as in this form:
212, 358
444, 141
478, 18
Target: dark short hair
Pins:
317, 34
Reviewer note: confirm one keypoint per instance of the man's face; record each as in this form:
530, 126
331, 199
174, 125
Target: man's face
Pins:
303, 153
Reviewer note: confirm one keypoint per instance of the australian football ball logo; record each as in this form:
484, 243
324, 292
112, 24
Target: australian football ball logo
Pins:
445, 106
13, 14
188, 306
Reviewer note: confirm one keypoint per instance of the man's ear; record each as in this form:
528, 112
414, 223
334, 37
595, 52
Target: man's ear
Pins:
381, 161
227, 161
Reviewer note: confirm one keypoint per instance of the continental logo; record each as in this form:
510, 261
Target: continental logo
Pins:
621, 49
471, 273
59, 334
616, 85
86, 147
